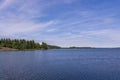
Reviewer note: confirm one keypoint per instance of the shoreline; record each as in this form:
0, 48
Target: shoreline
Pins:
7, 49
11, 49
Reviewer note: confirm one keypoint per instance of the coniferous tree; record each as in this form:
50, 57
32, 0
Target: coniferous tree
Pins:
22, 44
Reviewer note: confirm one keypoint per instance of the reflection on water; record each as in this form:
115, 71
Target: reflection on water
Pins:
82, 64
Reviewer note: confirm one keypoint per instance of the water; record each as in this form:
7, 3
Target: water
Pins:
79, 64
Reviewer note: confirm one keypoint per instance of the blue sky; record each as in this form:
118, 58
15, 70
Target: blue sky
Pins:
94, 23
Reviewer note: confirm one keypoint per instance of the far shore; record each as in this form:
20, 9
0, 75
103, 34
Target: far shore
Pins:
7, 49
12, 49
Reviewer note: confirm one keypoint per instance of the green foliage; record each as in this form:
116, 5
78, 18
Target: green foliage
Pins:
19, 44
44, 46
22, 44
53, 47
0, 47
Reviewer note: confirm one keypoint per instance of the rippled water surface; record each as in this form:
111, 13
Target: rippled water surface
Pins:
64, 64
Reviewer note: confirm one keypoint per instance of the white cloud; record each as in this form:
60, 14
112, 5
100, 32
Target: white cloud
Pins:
93, 38
108, 20
5, 3
23, 27
68, 1
108, 34
18, 14
51, 30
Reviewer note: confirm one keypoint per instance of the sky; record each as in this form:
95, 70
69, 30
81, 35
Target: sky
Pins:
83, 23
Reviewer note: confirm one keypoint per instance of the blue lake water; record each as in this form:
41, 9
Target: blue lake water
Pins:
64, 64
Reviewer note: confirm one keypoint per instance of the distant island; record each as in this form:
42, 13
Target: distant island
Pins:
80, 47
22, 44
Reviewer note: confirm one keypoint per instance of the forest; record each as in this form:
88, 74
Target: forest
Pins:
22, 44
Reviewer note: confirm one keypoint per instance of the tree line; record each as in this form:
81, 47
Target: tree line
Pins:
22, 44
